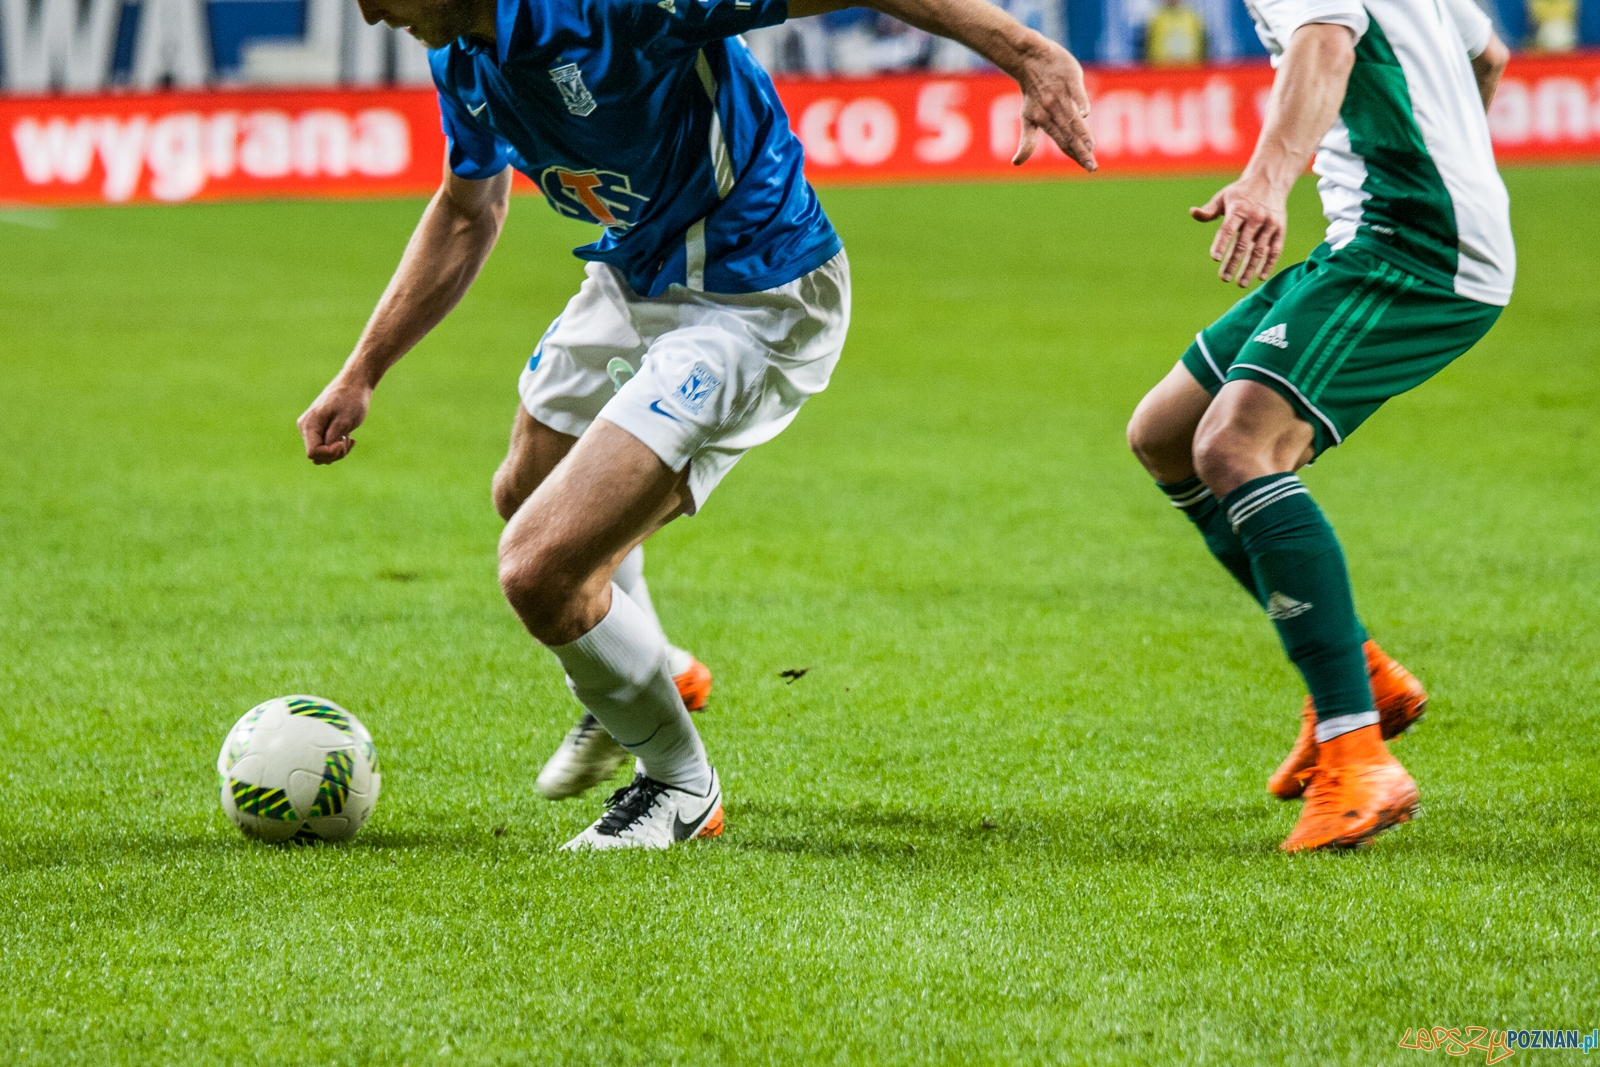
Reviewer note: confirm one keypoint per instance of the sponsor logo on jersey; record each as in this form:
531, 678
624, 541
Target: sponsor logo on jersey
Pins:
1282, 607
601, 196
696, 388
575, 94
1276, 336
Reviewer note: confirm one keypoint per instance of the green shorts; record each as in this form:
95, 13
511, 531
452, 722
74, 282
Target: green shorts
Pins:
1338, 335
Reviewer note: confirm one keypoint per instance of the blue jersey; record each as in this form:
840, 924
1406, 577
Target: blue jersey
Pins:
645, 117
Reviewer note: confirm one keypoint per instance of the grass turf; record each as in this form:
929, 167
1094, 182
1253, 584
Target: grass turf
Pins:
1012, 813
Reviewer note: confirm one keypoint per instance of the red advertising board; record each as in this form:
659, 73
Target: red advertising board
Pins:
903, 128
218, 145
353, 142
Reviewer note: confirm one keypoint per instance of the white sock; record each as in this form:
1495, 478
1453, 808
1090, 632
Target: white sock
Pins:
630, 576
619, 671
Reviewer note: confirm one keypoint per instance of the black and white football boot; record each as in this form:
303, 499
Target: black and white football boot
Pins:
646, 813
587, 756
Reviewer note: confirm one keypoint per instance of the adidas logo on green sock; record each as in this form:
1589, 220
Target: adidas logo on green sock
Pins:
1280, 607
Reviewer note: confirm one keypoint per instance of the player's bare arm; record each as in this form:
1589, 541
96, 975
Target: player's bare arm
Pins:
457, 232
1487, 67
1305, 100
1054, 99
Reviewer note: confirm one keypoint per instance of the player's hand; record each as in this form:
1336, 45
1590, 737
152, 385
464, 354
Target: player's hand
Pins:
329, 421
1250, 239
1055, 101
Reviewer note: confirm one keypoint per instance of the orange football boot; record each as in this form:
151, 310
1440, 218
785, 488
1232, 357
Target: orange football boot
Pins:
694, 685
1396, 693
713, 826
1357, 790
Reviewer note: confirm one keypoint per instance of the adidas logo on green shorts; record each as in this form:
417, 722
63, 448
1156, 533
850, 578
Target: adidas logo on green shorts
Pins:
1276, 336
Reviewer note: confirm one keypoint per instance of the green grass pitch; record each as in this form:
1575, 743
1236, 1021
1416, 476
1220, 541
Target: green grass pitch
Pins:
1013, 812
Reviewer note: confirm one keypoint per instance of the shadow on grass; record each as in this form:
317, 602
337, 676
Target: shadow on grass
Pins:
1115, 832
1081, 834
35, 854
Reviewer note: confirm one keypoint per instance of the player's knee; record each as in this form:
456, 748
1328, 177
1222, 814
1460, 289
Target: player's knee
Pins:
1141, 439
1162, 452
1220, 453
535, 591
507, 494
540, 584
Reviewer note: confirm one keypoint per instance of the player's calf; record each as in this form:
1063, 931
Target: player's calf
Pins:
1161, 435
588, 755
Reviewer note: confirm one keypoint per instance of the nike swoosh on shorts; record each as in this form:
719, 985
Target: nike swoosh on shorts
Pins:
655, 406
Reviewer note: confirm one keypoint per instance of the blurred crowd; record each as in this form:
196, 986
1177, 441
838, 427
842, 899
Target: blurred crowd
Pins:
858, 41
1115, 32
88, 45
1554, 25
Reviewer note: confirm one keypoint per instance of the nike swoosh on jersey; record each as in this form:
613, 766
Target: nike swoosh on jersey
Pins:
655, 406
476, 111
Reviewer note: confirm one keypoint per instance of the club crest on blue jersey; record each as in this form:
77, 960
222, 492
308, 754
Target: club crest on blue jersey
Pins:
700, 383
575, 94
602, 196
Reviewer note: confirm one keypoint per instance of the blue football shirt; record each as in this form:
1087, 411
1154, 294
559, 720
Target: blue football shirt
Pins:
650, 118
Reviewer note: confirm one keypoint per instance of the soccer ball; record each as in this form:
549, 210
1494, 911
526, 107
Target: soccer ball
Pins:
298, 768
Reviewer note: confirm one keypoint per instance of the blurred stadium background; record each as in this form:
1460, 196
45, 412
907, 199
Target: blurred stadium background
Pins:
97, 44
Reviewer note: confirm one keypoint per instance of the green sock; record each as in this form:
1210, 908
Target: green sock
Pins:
1191, 497
1298, 562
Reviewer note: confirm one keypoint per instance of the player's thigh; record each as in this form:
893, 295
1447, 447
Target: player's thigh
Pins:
534, 452
1250, 431
560, 549
1362, 331
578, 365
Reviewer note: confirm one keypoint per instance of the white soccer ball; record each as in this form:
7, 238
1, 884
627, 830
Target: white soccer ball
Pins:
298, 768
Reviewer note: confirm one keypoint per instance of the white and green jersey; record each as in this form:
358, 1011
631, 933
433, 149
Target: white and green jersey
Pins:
1407, 169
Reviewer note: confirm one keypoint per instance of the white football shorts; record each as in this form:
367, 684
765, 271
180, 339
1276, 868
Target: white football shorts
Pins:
701, 378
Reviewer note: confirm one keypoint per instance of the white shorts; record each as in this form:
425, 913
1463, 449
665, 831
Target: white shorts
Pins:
701, 378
